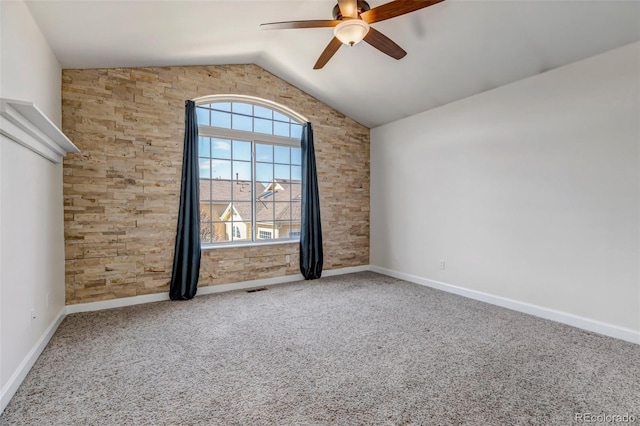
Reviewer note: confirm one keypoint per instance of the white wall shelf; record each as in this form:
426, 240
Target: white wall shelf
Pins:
24, 123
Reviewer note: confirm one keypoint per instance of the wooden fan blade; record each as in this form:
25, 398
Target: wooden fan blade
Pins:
288, 25
395, 8
384, 44
348, 8
328, 52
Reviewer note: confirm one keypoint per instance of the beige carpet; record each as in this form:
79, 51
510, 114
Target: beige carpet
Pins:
358, 349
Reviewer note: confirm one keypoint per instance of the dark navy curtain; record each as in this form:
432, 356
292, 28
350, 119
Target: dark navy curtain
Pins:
311, 230
186, 257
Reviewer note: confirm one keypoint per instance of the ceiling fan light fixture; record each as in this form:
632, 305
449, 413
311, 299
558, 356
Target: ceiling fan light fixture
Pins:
351, 31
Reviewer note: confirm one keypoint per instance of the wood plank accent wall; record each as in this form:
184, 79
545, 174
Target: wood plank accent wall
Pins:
121, 192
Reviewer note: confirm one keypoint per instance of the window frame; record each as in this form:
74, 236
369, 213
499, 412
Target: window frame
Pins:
254, 138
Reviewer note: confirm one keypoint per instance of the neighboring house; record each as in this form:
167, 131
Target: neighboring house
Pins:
277, 210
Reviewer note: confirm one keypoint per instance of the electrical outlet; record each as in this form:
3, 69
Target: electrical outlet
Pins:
287, 259
442, 265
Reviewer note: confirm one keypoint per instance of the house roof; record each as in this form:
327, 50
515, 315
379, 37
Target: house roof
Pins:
279, 200
455, 49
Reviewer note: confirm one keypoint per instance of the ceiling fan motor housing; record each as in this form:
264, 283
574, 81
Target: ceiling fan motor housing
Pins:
363, 6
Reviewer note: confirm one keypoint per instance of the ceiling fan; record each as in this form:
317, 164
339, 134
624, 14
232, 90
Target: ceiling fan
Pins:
351, 23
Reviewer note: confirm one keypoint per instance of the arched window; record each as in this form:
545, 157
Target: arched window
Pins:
250, 170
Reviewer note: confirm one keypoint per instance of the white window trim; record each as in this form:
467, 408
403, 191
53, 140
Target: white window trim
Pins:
235, 244
243, 135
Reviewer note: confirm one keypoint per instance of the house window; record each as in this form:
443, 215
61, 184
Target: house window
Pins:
265, 235
250, 171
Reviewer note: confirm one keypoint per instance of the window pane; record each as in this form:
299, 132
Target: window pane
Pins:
241, 170
241, 231
242, 211
242, 108
205, 191
261, 190
294, 230
296, 131
296, 209
295, 191
264, 172
221, 191
242, 150
241, 191
280, 117
221, 148
240, 122
283, 211
206, 234
221, 119
264, 152
264, 209
221, 169
218, 208
280, 129
265, 234
221, 231
262, 126
283, 228
282, 154
282, 172
266, 231
204, 147
296, 155
282, 193
202, 115
296, 173
262, 112
205, 168
223, 106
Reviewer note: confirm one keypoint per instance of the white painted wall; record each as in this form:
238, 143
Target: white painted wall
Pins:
29, 70
31, 204
529, 192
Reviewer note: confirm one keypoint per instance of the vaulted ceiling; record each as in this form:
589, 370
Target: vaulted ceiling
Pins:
455, 48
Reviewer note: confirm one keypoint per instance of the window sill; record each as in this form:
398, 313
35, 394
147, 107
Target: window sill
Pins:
248, 244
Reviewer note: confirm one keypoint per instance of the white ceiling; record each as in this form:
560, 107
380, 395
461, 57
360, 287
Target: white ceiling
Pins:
455, 48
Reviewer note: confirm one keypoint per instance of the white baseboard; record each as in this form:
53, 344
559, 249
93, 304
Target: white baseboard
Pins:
21, 372
241, 285
343, 271
595, 326
116, 303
